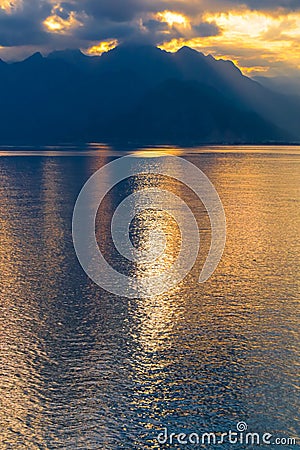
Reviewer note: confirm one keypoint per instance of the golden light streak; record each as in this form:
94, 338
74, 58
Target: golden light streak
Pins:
102, 47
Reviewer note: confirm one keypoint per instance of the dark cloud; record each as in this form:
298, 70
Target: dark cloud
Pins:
116, 10
104, 19
101, 19
125, 20
206, 29
96, 30
23, 26
269, 5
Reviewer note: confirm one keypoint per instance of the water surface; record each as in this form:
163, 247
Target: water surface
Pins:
84, 369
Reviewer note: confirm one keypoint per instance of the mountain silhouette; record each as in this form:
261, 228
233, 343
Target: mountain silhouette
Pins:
139, 93
181, 117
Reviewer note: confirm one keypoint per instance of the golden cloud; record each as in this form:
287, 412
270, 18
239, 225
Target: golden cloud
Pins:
173, 18
10, 5
102, 47
56, 24
255, 41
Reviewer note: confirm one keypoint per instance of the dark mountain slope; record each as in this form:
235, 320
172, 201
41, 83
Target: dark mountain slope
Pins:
187, 110
69, 96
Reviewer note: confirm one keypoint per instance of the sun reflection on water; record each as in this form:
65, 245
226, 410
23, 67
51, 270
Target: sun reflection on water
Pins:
81, 368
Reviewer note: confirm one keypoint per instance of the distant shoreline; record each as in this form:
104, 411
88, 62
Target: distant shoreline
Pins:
143, 144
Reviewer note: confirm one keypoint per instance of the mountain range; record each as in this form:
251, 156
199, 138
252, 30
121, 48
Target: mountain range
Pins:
283, 84
140, 93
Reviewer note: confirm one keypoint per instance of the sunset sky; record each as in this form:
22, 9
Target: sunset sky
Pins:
260, 36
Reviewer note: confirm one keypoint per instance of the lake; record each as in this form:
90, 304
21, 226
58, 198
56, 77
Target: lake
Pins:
82, 368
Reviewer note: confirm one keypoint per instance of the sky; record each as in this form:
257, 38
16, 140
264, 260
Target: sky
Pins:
261, 36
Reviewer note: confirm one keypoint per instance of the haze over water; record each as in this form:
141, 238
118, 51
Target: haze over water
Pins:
84, 369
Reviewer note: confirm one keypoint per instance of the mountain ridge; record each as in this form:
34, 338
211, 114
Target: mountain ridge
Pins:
69, 96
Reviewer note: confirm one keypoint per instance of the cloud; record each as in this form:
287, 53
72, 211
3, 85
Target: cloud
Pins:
255, 41
233, 28
21, 25
270, 5
206, 29
116, 10
23, 22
